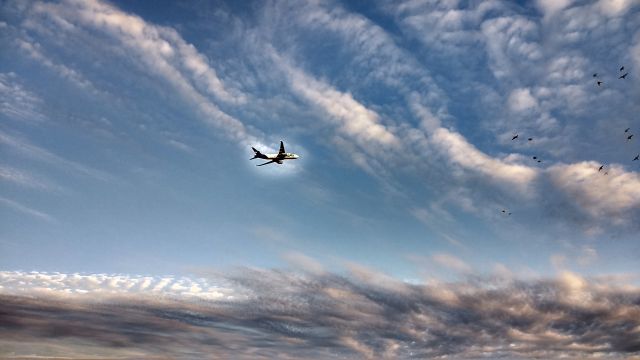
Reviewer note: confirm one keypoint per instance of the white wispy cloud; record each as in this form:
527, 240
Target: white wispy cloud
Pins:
24, 283
460, 152
550, 7
601, 196
26, 148
511, 44
158, 49
465, 154
540, 81
304, 262
354, 119
14, 205
451, 262
35, 52
514, 45
26, 179
17, 102
363, 125
521, 100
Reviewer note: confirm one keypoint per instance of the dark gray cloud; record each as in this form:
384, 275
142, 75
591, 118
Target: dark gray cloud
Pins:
279, 314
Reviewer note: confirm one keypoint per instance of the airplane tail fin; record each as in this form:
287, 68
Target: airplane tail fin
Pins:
256, 154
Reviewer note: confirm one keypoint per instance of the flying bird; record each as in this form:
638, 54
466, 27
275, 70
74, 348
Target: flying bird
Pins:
636, 158
623, 76
622, 68
600, 168
627, 129
629, 137
535, 158
595, 74
530, 139
600, 83
514, 137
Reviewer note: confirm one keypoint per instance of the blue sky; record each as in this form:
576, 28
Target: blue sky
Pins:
126, 131
126, 135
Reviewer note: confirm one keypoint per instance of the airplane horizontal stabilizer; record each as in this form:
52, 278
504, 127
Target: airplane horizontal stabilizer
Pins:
257, 154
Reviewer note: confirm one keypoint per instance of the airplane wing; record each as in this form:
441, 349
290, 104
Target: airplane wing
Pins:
281, 148
268, 162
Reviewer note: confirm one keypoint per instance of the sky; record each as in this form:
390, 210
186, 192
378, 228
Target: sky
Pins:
125, 137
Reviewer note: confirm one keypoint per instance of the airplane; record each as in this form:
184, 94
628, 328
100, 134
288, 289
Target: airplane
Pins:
274, 158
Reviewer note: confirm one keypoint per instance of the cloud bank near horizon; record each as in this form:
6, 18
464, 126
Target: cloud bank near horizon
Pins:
284, 314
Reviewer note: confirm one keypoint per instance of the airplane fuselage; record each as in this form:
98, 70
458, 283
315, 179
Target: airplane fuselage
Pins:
285, 156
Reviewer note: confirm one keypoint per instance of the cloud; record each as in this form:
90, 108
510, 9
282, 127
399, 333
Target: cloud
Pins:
34, 51
288, 315
542, 86
354, 119
514, 46
451, 262
468, 156
558, 261
363, 124
22, 283
26, 179
511, 45
27, 210
28, 149
588, 255
358, 131
17, 102
303, 262
615, 7
521, 99
549, 7
156, 49
599, 195
371, 47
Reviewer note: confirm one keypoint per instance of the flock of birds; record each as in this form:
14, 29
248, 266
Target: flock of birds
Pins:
623, 76
627, 132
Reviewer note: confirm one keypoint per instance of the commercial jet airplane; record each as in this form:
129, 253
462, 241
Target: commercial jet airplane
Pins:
274, 158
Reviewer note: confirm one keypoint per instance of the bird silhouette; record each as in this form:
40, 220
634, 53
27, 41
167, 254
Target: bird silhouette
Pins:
539, 161
636, 158
623, 76
622, 68
535, 158
629, 137
600, 83
530, 139
600, 168
595, 74
627, 129
514, 137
